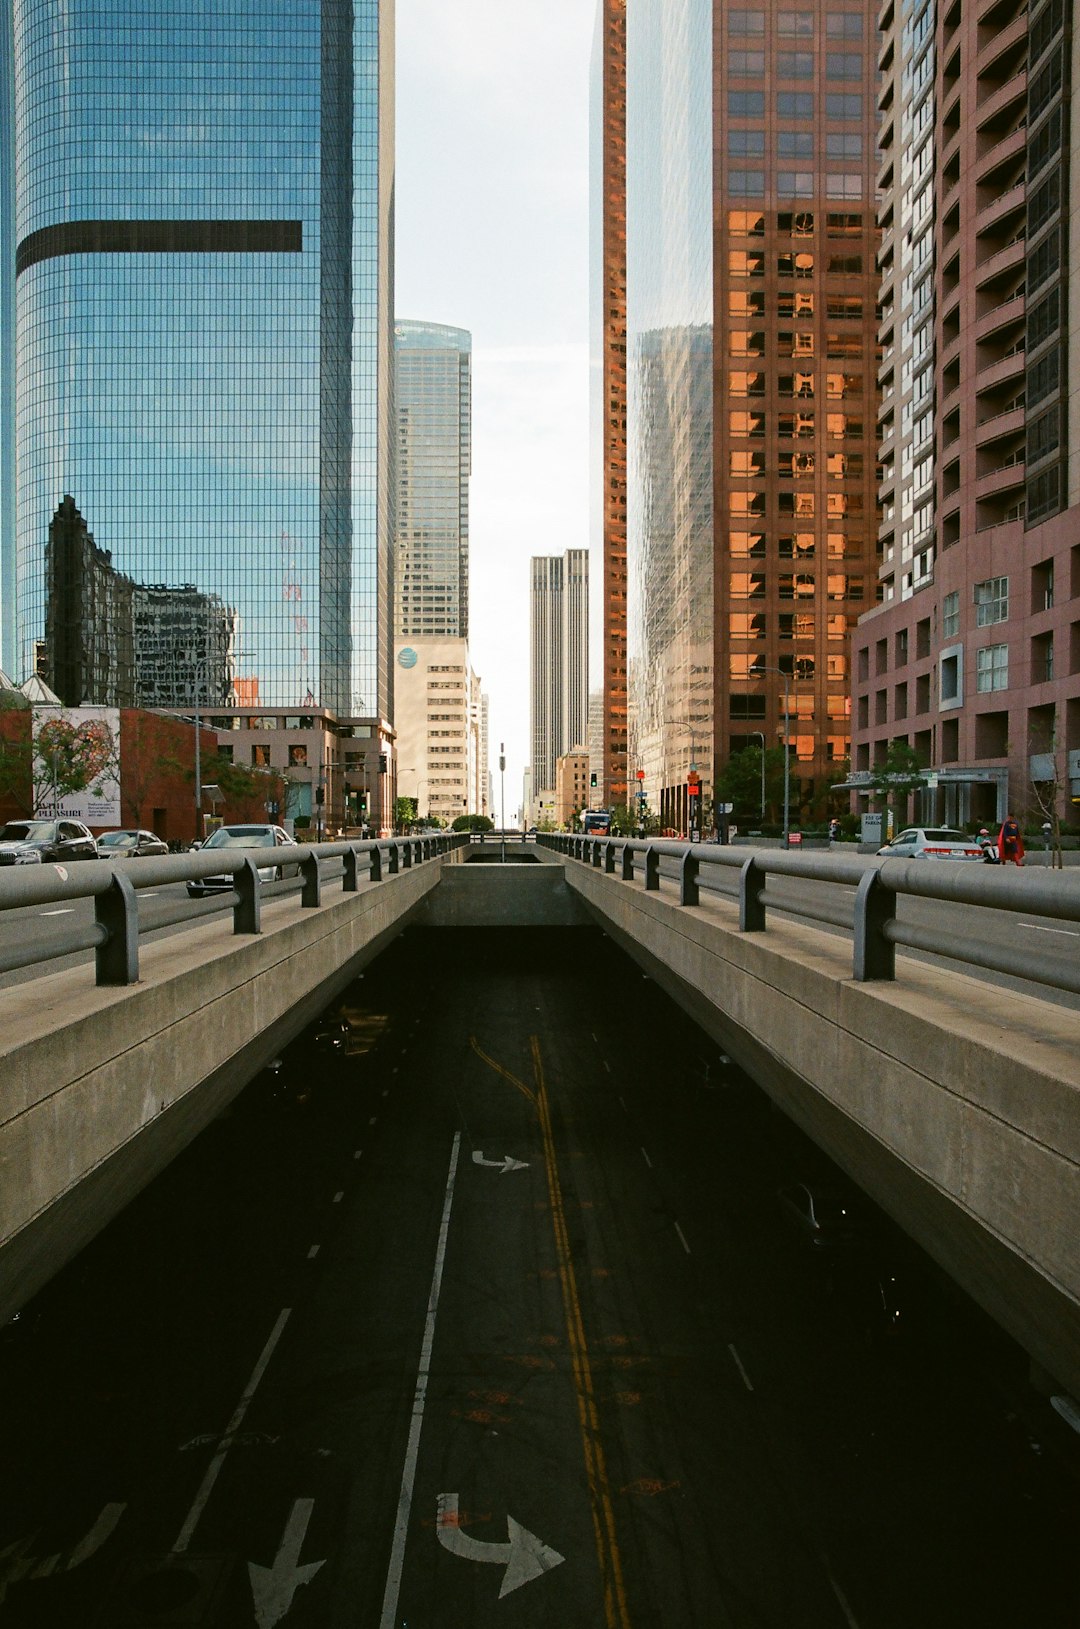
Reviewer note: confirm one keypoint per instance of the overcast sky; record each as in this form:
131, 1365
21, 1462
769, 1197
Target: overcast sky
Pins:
492, 236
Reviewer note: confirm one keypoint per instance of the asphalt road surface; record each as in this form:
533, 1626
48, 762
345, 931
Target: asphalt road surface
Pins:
490, 1318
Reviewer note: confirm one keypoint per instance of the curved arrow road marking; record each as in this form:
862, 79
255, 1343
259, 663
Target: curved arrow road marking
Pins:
273, 1587
504, 1165
524, 1555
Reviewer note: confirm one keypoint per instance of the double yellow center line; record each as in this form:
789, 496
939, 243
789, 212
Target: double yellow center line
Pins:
616, 1611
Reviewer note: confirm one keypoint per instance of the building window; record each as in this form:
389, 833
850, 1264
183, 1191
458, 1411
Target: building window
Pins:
746, 183
843, 65
843, 105
950, 616
991, 602
992, 668
746, 22
795, 104
746, 104
795, 183
795, 65
797, 23
746, 64
746, 143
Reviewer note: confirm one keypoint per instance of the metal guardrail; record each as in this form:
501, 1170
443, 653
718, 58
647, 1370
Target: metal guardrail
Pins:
871, 916
114, 886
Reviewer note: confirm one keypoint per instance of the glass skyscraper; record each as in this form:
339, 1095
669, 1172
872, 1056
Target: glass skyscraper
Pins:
433, 402
202, 220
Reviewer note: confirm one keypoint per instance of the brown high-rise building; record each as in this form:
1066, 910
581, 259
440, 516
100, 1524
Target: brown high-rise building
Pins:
608, 276
973, 659
751, 375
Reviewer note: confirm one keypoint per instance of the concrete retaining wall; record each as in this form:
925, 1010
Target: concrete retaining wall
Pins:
959, 1115
101, 1088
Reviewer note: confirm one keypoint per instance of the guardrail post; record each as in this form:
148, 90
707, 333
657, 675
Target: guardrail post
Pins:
596, 854
875, 907
117, 911
652, 870
375, 864
349, 879
627, 863
609, 857
311, 894
751, 903
688, 879
247, 912
406, 856
392, 861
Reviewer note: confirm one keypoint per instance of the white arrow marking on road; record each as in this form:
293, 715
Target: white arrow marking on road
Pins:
16, 1564
524, 1556
504, 1165
274, 1587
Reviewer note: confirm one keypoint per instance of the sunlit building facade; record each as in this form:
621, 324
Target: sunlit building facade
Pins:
607, 275
433, 406
752, 356
202, 225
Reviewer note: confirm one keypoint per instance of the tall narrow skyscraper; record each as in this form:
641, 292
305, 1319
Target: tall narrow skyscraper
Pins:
751, 382
559, 661
202, 221
433, 403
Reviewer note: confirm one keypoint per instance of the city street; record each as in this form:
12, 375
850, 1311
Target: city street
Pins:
480, 1310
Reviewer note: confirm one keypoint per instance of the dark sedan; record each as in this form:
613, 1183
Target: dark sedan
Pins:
129, 845
55, 840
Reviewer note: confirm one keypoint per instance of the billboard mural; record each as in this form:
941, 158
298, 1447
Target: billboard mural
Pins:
77, 764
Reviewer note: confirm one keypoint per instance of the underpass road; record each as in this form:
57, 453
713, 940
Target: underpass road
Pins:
494, 1322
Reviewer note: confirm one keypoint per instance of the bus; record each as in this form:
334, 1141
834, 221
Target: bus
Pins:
596, 822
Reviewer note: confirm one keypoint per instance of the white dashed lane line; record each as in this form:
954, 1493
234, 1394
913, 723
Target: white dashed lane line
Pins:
339, 1196
313, 1252
1034, 927
65, 910
646, 1158
739, 1366
682, 1238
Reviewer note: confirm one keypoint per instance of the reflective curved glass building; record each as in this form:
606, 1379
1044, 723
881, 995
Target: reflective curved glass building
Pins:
202, 226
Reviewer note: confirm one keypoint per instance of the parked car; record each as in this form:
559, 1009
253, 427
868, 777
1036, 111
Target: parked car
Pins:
129, 845
932, 843
242, 837
55, 840
19, 854
824, 1217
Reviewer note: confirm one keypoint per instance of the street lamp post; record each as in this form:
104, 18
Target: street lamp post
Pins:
761, 737
787, 746
502, 798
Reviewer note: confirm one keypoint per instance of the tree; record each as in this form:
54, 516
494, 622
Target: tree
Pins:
405, 813
896, 777
1047, 793
739, 783
16, 752
473, 822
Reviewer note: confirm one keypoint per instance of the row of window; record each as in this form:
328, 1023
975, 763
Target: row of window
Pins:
800, 546
800, 386
792, 303
840, 106
794, 184
839, 25
795, 65
799, 223
752, 585
838, 426
791, 465
801, 343
803, 505
791, 263
795, 144
753, 626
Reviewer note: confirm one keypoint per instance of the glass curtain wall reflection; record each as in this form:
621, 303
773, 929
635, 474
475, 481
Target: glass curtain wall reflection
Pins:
202, 319
669, 387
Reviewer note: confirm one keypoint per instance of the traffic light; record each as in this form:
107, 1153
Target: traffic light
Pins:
320, 794
382, 763
361, 802
592, 779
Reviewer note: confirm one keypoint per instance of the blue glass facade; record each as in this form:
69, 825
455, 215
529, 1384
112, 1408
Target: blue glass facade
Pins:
202, 216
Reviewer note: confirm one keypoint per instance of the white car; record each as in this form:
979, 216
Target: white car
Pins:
242, 837
932, 843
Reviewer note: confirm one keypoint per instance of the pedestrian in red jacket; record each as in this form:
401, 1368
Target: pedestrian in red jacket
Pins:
1010, 842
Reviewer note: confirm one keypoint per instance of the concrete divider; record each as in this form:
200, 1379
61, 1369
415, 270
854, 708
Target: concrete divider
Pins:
101, 1087
955, 1106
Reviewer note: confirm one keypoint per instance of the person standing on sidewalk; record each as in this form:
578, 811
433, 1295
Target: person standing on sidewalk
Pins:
1010, 842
